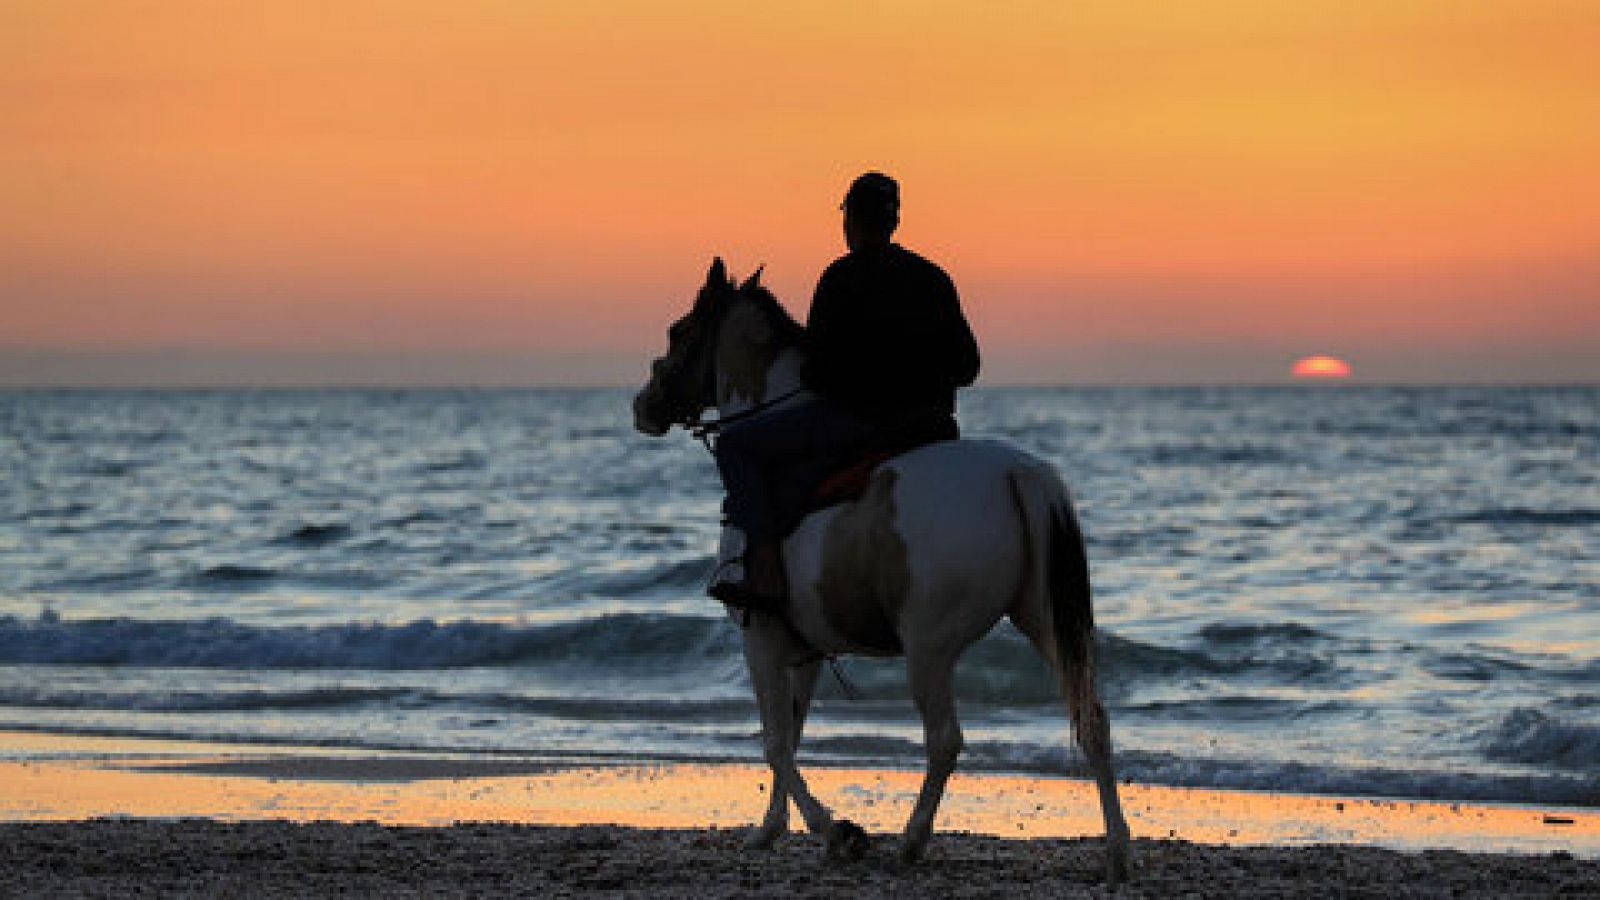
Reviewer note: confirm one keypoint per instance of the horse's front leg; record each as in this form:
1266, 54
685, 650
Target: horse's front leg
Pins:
768, 647
802, 683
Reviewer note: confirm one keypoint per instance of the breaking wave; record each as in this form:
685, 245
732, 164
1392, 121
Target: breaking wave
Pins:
1531, 737
424, 644
1000, 668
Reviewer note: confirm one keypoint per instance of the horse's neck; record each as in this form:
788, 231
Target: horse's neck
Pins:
780, 378
783, 376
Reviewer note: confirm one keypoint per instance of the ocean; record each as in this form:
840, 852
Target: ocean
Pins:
1361, 590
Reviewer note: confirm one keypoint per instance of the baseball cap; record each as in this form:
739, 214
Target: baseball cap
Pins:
875, 192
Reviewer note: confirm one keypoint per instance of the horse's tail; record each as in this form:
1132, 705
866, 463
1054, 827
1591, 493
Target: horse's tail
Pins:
1058, 608
1061, 574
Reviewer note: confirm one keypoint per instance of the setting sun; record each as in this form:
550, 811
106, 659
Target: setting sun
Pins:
1321, 367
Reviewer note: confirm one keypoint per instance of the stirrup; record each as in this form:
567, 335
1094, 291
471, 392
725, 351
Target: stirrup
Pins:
737, 595
730, 567
726, 572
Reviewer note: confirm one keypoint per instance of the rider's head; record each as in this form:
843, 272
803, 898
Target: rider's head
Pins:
871, 210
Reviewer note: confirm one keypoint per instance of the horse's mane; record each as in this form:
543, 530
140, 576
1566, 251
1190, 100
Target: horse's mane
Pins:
789, 332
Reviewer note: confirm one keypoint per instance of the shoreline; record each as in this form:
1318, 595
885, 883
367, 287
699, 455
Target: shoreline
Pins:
109, 817
55, 777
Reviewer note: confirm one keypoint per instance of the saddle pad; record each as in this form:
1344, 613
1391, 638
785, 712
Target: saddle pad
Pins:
849, 481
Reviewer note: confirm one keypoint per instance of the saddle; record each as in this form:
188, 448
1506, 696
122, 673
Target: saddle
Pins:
847, 479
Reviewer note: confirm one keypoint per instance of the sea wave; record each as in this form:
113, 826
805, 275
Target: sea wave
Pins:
316, 534
726, 707
199, 701
1000, 670
1532, 737
614, 641
229, 575
1209, 454
679, 575
1515, 516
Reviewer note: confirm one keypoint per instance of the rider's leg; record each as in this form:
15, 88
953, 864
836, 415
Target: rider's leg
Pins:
730, 554
749, 454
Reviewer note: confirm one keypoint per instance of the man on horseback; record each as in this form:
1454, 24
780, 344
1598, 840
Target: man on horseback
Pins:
939, 544
886, 347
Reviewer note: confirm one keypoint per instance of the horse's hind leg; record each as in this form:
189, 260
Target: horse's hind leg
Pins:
802, 684
932, 688
1094, 736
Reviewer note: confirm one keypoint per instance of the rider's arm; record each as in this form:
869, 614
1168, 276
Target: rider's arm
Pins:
960, 351
827, 332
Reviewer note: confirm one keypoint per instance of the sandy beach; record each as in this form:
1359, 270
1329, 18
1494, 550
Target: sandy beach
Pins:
103, 816
275, 858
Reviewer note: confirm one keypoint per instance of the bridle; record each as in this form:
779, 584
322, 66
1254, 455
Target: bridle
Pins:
704, 430
695, 422
693, 416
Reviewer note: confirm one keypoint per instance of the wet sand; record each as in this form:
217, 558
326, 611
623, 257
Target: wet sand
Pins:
253, 821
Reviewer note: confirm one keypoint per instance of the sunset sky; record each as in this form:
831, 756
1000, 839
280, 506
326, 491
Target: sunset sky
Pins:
516, 191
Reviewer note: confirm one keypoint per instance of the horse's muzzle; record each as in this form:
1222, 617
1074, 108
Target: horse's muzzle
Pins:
649, 413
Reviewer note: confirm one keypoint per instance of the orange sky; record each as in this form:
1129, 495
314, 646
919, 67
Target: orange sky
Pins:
513, 190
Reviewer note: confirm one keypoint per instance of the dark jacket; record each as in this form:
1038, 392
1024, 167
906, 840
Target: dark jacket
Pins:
886, 338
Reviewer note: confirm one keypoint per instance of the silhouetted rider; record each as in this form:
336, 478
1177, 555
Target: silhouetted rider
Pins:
886, 336
886, 347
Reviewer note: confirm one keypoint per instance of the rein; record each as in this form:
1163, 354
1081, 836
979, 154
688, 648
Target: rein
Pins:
704, 429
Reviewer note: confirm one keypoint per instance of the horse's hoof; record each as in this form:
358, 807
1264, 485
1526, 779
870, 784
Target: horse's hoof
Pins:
1116, 870
763, 838
847, 842
912, 845
1117, 858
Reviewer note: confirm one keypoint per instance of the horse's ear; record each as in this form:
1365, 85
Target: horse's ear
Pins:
717, 274
754, 280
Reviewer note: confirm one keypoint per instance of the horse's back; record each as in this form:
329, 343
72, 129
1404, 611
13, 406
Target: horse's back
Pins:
937, 534
938, 491
957, 505
960, 484
968, 463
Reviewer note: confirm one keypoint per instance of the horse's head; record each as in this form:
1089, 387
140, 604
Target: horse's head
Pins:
683, 382
718, 352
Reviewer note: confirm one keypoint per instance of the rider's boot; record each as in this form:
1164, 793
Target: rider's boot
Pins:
765, 574
756, 580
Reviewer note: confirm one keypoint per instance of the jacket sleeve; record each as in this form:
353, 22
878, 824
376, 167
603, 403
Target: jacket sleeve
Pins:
822, 319
827, 331
960, 348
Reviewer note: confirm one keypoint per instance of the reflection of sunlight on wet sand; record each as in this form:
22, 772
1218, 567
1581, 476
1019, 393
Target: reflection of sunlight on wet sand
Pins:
156, 779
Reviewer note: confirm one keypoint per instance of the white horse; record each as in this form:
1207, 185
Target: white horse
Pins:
946, 540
